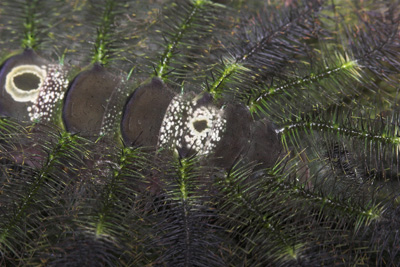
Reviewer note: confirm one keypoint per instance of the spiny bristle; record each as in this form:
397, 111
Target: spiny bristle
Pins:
199, 133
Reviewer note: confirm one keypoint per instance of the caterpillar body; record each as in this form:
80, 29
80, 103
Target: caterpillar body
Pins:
152, 116
199, 133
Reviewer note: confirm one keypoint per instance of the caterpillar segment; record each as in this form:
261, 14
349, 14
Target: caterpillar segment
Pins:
31, 86
153, 115
87, 99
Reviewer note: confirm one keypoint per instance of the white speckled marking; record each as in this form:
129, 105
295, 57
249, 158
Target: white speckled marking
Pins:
177, 128
50, 92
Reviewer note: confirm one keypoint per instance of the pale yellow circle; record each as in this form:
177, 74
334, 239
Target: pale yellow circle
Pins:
23, 95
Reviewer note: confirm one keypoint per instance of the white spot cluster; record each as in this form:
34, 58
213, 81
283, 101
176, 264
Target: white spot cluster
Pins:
113, 112
172, 125
50, 92
21, 95
178, 129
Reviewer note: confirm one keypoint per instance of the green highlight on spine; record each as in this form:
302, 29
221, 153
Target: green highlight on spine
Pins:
232, 188
162, 68
103, 39
369, 213
348, 65
237, 65
183, 169
319, 126
216, 86
110, 191
30, 39
64, 144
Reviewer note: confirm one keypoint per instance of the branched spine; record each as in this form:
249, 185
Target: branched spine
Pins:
237, 194
30, 38
64, 145
111, 188
198, 6
101, 49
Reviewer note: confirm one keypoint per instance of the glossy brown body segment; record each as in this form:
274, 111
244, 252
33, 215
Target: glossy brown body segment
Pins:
236, 136
86, 100
144, 112
265, 147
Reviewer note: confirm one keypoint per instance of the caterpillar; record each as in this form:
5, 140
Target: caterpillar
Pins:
199, 132
31, 90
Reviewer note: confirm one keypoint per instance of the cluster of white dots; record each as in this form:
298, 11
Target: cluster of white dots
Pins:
112, 113
51, 91
172, 125
205, 141
179, 130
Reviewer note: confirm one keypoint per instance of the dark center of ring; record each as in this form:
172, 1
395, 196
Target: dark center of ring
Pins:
27, 81
200, 125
